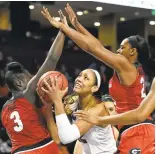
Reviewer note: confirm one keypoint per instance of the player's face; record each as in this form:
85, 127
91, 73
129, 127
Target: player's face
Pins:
84, 82
125, 48
110, 107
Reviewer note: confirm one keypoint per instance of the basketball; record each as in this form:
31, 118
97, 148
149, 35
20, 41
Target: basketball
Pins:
61, 79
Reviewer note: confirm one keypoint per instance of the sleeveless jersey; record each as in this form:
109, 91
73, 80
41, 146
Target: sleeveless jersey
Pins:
23, 124
98, 140
128, 97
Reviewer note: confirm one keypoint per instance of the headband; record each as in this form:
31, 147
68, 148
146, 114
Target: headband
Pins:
97, 77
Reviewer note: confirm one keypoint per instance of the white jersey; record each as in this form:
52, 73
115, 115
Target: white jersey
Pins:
98, 140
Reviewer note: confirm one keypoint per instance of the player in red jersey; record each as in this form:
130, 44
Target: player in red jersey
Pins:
20, 115
128, 78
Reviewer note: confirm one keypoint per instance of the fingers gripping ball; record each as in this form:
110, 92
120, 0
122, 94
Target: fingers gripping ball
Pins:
61, 79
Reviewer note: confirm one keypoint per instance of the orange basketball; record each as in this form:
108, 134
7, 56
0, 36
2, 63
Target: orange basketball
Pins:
61, 79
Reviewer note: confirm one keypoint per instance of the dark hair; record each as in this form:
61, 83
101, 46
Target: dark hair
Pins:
106, 98
15, 72
144, 53
14, 67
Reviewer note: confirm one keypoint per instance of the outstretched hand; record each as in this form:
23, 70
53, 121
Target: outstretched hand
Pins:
52, 90
86, 116
52, 20
71, 14
63, 18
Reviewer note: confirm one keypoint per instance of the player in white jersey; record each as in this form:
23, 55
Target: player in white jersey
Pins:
94, 139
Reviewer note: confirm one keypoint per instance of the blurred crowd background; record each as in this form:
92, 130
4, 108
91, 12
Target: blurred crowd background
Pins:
25, 36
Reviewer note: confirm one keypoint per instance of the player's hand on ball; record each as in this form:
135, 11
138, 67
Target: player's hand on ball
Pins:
52, 90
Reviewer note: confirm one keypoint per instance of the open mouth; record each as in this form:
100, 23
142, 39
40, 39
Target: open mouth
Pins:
77, 85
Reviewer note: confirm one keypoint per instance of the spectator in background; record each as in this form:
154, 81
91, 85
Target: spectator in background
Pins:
110, 106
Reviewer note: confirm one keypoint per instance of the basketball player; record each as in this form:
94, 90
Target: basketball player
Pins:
19, 114
94, 139
131, 117
127, 84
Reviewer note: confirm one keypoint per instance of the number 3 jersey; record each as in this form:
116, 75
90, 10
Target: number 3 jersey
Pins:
23, 124
128, 97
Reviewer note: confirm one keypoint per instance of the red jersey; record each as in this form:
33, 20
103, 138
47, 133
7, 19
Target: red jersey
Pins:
23, 124
128, 97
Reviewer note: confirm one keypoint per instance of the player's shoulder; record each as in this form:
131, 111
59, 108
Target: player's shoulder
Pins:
7, 103
98, 109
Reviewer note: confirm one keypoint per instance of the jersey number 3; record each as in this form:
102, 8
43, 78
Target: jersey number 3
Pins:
15, 115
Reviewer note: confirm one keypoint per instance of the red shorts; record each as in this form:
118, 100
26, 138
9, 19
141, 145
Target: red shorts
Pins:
49, 148
138, 139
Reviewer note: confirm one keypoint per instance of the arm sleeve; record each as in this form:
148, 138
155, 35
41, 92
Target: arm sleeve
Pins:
67, 132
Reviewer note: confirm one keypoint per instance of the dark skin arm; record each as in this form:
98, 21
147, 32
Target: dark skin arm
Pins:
52, 128
126, 71
48, 65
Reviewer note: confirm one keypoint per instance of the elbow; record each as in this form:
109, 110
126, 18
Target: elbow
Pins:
65, 142
69, 134
65, 139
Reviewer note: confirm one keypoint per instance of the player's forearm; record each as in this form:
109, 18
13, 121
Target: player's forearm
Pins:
53, 54
85, 42
94, 47
126, 118
51, 126
57, 47
59, 107
50, 62
81, 29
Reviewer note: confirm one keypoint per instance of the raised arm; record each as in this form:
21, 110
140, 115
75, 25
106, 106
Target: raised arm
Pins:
93, 46
49, 63
74, 21
131, 117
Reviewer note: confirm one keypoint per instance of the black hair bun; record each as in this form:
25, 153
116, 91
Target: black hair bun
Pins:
14, 66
